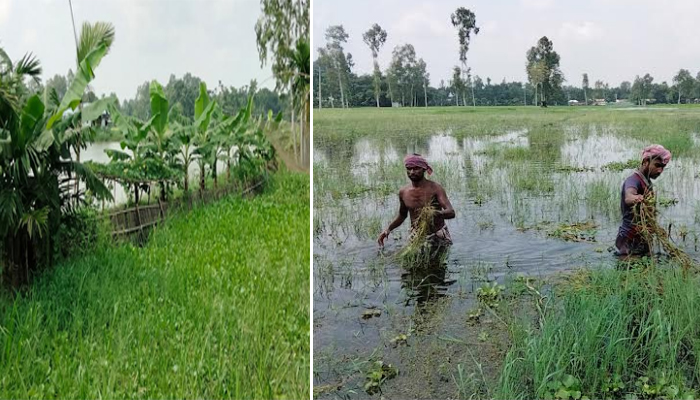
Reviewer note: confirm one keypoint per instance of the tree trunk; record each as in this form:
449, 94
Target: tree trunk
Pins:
320, 101
391, 94
294, 140
534, 101
307, 150
213, 171
340, 84
202, 181
425, 93
679, 94
585, 96
473, 97
377, 86
187, 177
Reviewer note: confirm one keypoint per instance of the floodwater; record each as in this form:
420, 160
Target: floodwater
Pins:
508, 191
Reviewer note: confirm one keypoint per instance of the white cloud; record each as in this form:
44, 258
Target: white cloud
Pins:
581, 31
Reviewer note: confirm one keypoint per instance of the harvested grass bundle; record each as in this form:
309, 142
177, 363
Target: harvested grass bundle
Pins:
650, 229
418, 252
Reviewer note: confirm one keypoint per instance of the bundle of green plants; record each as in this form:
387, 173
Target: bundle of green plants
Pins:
651, 231
419, 252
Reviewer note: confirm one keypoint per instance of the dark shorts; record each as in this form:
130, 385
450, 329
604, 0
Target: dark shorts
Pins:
631, 243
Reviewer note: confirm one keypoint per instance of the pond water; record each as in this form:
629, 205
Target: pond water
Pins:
510, 191
96, 152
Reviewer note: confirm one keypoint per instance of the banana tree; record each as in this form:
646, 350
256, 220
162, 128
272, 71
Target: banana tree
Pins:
205, 140
33, 160
161, 136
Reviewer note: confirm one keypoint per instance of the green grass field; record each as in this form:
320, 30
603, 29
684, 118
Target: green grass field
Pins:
216, 305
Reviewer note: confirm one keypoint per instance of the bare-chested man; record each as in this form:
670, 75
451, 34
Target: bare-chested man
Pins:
419, 194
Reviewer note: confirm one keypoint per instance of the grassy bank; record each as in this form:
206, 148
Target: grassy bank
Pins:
610, 334
215, 306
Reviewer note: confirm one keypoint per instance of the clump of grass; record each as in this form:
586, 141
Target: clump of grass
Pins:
617, 166
490, 295
621, 333
576, 232
571, 168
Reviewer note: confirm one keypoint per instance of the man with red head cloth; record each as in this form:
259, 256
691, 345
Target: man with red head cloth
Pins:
634, 190
418, 194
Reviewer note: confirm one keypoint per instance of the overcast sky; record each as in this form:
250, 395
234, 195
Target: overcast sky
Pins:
212, 39
611, 40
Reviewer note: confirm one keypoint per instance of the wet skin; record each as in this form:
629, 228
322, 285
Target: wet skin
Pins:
418, 194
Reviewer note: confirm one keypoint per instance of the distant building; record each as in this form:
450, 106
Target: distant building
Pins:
600, 102
574, 103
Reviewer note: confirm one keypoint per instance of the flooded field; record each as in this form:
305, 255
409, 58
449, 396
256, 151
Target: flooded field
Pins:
537, 194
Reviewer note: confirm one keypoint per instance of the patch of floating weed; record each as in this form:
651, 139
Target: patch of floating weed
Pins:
379, 373
576, 232
617, 166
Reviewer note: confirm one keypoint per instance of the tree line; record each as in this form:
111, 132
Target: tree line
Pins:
405, 82
182, 92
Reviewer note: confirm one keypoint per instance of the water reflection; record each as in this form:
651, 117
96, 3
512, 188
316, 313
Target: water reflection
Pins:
426, 283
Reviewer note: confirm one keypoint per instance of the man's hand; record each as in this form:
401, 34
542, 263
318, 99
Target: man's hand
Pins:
637, 198
382, 236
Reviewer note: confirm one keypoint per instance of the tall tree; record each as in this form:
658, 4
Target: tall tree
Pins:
465, 21
283, 29
375, 38
402, 69
336, 37
684, 83
584, 84
543, 66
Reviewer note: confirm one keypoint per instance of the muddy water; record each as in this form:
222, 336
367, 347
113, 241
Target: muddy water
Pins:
505, 206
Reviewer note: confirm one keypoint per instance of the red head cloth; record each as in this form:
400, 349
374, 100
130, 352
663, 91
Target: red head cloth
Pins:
658, 151
415, 160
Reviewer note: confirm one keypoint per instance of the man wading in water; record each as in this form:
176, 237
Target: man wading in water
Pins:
415, 197
635, 189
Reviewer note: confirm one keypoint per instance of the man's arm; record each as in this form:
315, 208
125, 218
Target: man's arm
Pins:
447, 211
632, 197
403, 213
